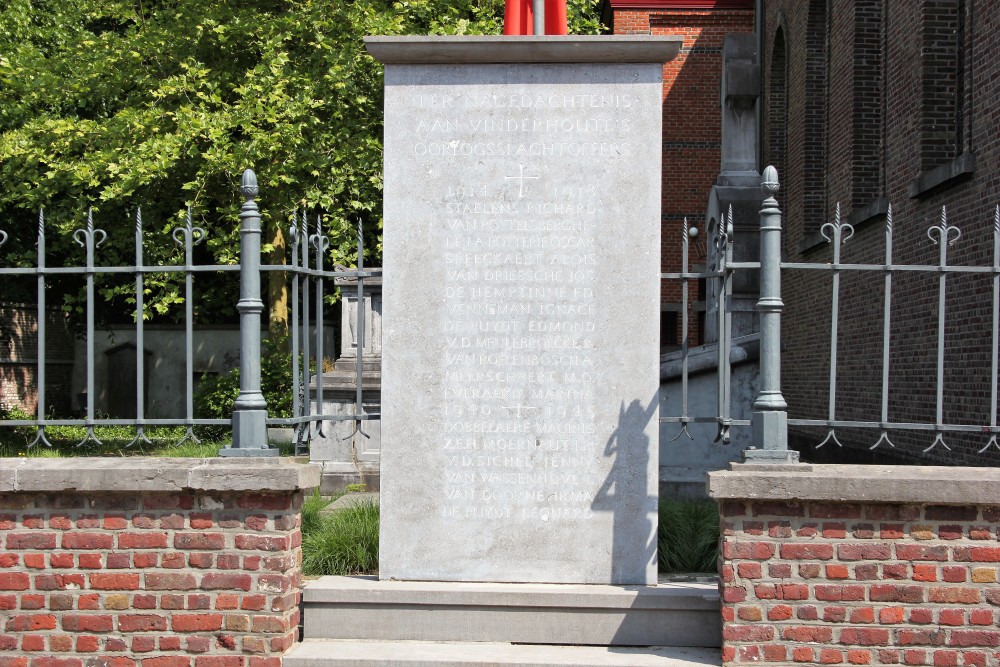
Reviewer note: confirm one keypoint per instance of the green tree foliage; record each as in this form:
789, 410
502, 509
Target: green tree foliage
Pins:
163, 103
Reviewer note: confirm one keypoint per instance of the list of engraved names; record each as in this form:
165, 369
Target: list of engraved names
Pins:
520, 263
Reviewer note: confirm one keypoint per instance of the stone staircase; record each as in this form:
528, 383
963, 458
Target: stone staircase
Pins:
362, 621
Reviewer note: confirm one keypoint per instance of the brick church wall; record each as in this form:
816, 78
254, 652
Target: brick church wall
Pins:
881, 99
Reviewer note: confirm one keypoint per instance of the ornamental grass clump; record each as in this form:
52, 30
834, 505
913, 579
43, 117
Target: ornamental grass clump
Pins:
689, 536
343, 542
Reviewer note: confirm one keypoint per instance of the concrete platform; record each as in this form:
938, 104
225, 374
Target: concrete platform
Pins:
329, 653
364, 608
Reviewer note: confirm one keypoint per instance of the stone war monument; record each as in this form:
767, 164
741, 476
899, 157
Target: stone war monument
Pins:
520, 367
520, 316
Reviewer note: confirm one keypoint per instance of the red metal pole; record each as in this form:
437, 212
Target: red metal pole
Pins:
517, 17
555, 17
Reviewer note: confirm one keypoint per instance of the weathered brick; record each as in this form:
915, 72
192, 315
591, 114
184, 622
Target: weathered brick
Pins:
87, 623
169, 581
117, 582
33, 540
143, 540
77, 540
864, 636
141, 623
196, 622
227, 581
954, 595
807, 551
807, 633
262, 501
14, 581
896, 593
199, 541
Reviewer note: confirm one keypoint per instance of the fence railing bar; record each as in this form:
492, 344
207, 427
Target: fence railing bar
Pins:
901, 268
115, 422
312, 417
140, 341
690, 275
271, 421
199, 268
886, 330
320, 244
943, 231
40, 373
836, 231
358, 389
189, 231
685, 243
703, 420
89, 243
995, 351
306, 338
724, 243
898, 426
293, 236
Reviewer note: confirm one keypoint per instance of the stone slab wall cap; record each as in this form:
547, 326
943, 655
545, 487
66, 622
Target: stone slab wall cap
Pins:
254, 475
86, 474
860, 483
103, 474
8, 473
455, 50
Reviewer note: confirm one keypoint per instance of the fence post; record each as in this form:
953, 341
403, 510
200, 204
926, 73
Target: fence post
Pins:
770, 412
250, 410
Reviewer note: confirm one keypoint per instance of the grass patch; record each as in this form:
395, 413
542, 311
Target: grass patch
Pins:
69, 441
343, 542
688, 538
311, 508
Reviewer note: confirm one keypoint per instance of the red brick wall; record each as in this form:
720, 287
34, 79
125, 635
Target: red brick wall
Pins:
692, 125
155, 580
880, 100
859, 583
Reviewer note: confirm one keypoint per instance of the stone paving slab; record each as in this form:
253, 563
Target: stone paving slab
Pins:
351, 500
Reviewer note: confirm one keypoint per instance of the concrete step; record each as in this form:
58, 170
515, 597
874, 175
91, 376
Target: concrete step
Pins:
342, 653
364, 608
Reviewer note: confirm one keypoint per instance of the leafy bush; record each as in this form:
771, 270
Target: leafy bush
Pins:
216, 395
345, 542
689, 535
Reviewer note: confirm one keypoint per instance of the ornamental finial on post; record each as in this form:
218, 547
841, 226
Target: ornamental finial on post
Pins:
769, 182
248, 188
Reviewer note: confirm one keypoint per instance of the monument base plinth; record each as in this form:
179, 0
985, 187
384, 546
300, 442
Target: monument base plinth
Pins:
366, 608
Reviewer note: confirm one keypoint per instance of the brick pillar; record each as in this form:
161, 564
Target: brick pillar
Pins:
149, 562
859, 565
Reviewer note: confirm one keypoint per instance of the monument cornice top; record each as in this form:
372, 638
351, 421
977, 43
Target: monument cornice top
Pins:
508, 49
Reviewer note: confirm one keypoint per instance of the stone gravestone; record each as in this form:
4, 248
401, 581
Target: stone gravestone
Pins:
520, 317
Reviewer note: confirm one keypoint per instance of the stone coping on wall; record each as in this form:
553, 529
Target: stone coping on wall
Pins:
465, 49
860, 483
149, 474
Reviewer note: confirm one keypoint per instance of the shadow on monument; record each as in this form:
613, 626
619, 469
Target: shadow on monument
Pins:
626, 493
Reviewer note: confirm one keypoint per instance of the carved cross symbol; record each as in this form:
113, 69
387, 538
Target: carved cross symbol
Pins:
520, 179
519, 407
